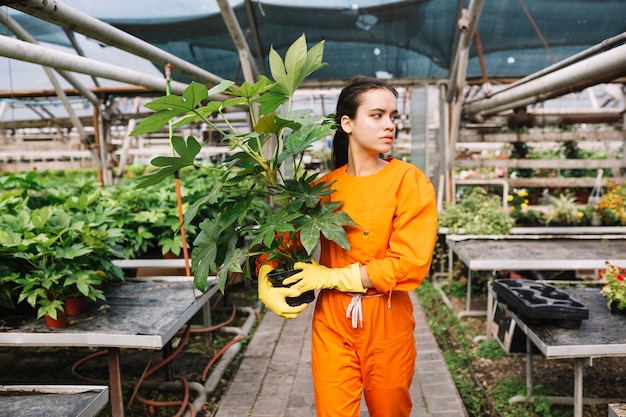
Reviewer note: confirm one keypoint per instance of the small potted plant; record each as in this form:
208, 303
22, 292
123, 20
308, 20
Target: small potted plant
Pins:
266, 196
55, 254
614, 288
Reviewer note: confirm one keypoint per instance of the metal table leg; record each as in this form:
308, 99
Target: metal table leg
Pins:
578, 387
115, 382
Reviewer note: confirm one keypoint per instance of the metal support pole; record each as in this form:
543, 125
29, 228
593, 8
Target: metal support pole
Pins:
132, 123
72, 19
529, 367
578, 387
23, 34
250, 72
603, 67
115, 383
24, 51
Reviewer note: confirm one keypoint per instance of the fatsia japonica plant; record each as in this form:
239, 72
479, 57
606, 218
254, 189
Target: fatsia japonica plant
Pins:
282, 215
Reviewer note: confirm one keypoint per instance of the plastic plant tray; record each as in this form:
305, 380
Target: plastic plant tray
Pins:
537, 303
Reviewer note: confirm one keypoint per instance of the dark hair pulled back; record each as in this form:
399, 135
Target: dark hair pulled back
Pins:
347, 105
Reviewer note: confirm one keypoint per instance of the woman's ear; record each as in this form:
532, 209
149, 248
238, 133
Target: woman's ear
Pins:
346, 124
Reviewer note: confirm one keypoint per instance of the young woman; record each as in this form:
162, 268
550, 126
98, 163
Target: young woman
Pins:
362, 334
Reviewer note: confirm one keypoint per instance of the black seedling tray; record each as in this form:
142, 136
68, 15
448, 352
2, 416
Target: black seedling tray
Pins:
537, 303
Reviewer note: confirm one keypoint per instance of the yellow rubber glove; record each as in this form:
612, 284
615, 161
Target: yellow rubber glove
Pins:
315, 276
274, 298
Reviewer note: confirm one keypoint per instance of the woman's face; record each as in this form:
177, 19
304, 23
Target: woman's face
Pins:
373, 128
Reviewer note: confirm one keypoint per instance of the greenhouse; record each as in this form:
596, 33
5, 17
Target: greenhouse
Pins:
154, 155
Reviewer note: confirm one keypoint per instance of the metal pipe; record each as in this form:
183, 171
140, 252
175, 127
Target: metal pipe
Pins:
72, 19
603, 67
250, 72
23, 34
25, 51
467, 26
132, 123
604, 45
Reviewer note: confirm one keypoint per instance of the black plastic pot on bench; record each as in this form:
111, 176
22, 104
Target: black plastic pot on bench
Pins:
537, 303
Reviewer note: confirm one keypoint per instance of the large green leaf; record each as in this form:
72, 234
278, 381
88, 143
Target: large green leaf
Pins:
221, 87
204, 253
298, 64
168, 107
300, 140
329, 222
314, 58
295, 61
231, 264
200, 114
74, 251
170, 164
280, 221
249, 91
270, 102
270, 123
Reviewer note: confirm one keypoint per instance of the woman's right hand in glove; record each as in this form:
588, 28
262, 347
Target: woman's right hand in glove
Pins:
275, 298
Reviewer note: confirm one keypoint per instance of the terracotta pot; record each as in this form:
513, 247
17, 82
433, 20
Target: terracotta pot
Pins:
59, 323
170, 255
276, 278
75, 306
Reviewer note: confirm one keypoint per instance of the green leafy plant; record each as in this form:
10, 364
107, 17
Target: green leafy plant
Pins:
54, 252
478, 213
282, 215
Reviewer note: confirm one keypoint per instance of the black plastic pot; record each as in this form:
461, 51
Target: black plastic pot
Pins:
277, 278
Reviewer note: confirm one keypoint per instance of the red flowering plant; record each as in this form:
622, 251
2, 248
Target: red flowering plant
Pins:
614, 288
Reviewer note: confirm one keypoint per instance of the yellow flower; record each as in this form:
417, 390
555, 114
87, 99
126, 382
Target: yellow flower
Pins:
524, 206
509, 197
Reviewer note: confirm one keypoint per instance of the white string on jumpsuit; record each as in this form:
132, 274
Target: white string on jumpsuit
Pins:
355, 308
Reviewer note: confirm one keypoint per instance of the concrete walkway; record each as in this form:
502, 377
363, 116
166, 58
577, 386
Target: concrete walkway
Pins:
269, 384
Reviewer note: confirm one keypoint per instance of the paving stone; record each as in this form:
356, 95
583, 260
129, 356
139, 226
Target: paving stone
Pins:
274, 379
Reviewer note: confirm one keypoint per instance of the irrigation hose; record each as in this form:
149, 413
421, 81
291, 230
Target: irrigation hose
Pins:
219, 354
183, 404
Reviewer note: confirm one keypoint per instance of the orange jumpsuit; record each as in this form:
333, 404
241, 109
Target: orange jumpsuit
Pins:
397, 217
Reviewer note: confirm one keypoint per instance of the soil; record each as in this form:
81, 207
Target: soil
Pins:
605, 378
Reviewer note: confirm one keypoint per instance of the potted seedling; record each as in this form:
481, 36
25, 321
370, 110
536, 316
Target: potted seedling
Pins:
56, 252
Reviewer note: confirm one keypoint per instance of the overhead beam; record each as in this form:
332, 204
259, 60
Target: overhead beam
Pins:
24, 51
74, 20
22, 34
118, 90
603, 67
